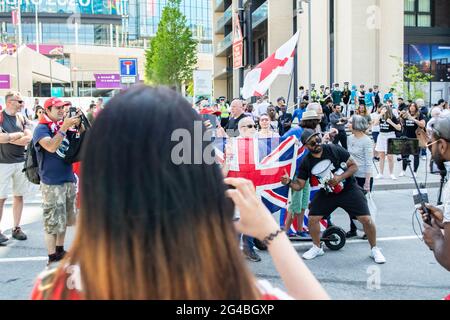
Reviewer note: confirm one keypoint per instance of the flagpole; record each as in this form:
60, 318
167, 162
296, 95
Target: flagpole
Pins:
36, 8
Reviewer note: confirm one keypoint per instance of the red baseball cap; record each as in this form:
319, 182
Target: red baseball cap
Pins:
54, 102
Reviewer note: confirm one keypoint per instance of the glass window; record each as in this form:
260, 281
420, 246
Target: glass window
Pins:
424, 20
424, 6
410, 5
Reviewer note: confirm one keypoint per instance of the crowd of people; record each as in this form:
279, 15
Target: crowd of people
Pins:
150, 232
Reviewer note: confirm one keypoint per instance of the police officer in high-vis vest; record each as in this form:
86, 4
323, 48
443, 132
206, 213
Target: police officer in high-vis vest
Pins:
224, 111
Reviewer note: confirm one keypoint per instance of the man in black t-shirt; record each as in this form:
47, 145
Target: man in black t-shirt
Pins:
15, 135
237, 113
333, 167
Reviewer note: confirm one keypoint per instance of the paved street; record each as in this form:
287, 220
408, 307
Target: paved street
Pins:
410, 273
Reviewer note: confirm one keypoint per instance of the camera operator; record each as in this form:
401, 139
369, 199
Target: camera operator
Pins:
411, 120
437, 236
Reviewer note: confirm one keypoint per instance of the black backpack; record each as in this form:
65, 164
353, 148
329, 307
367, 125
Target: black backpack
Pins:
31, 165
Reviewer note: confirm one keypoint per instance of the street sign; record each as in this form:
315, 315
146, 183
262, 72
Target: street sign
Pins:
127, 80
238, 43
238, 49
128, 67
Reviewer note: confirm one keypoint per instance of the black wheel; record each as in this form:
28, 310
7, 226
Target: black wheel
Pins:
258, 244
336, 238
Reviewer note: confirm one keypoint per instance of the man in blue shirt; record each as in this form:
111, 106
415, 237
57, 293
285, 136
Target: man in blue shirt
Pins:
57, 178
369, 99
389, 96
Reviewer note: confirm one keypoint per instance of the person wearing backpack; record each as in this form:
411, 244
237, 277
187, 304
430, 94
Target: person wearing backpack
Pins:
56, 175
15, 135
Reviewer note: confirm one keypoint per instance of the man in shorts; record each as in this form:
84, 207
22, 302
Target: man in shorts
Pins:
57, 178
338, 190
14, 136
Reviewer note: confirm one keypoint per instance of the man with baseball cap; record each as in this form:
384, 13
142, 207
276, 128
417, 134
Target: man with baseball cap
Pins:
437, 235
333, 167
57, 178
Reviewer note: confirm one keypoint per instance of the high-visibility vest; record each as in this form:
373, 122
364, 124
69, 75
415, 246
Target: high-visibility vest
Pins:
224, 111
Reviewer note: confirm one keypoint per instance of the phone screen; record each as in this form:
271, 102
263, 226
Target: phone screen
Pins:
403, 146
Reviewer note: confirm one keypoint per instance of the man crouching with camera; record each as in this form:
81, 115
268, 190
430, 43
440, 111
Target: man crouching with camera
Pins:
437, 235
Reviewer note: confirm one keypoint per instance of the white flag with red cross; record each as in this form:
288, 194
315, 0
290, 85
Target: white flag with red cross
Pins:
258, 81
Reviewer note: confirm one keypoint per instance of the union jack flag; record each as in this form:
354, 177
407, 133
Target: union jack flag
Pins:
263, 161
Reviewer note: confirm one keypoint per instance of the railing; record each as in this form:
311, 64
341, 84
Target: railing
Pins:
227, 16
259, 15
224, 44
219, 7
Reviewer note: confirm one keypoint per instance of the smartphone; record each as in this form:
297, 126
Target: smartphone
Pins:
403, 146
72, 112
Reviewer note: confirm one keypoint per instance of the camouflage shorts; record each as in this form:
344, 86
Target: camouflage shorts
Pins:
58, 202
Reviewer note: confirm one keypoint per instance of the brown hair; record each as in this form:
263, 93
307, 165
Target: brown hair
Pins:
150, 228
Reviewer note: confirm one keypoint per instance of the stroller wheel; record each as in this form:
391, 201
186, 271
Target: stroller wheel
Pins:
334, 238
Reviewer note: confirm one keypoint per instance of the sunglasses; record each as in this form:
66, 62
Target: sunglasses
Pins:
19, 101
315, 142
250, 126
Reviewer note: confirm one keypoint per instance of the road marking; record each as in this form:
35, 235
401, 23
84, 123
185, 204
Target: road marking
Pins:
23, 259
305, 243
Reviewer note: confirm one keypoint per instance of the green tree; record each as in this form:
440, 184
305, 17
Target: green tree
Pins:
410, 81
172, 55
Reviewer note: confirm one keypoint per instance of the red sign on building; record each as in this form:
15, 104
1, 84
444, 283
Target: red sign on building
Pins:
238, 43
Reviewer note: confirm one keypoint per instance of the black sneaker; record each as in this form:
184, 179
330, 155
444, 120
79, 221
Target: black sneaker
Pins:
60, 255
3, 238
18, 234
251, 255
351, 234
364, 237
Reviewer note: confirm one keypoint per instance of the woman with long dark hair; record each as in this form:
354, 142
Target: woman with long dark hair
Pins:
411, 119
157, 223
388, 125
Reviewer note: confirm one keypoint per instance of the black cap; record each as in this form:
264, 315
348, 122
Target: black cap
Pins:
307, 135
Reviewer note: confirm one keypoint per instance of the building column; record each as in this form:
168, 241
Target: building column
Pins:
320, 44
391, 41
280, 30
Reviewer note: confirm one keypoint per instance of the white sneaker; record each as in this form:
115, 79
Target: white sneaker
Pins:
377, 255
402, 174
424, 157
379, 176
393, 177
313, 252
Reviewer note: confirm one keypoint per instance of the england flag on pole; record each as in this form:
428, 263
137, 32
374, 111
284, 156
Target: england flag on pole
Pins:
258, 81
